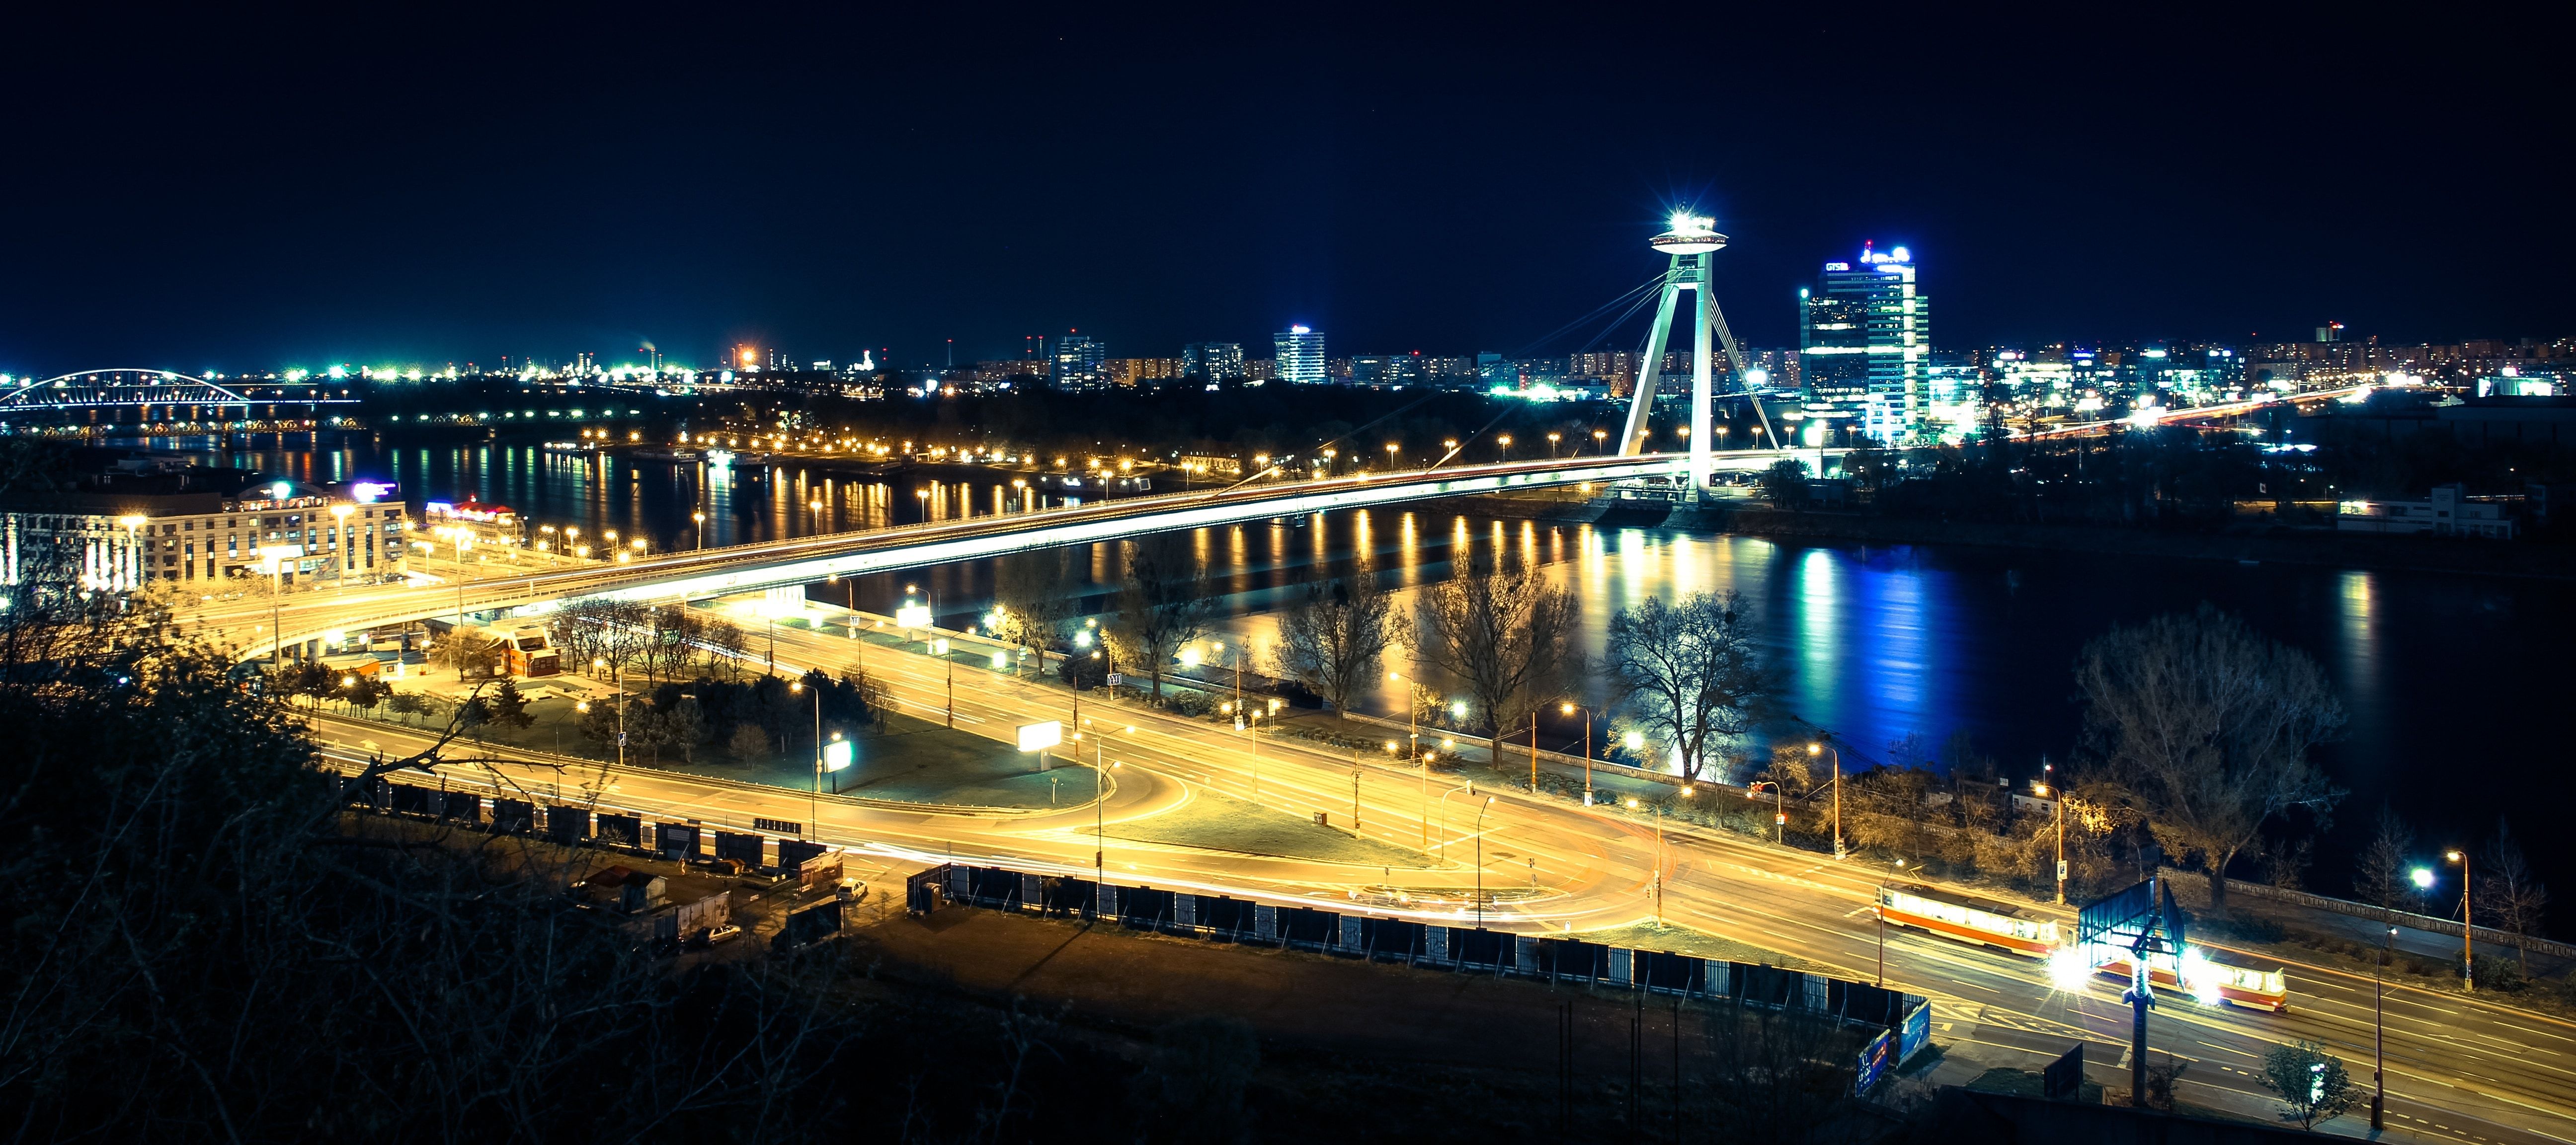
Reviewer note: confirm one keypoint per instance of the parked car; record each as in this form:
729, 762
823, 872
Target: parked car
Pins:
719, 935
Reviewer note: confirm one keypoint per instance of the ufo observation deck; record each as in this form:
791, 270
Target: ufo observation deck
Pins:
1691, 241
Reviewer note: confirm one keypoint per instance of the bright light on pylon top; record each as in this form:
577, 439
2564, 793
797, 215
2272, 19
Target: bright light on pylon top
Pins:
1690, 234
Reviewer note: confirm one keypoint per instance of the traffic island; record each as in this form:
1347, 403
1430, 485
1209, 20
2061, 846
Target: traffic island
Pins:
1213, 822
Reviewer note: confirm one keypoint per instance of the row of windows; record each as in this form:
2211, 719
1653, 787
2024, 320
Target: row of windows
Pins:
70, 523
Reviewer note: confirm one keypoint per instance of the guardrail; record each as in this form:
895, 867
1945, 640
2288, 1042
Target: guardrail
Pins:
2406, 919
1904, 1020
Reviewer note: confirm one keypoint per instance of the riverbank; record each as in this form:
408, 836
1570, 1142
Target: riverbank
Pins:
2337, 550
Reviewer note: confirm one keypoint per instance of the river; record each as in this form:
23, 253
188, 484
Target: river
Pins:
2450, 717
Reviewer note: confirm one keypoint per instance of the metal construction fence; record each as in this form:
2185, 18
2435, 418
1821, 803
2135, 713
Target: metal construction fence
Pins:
1904, 1020
579, 825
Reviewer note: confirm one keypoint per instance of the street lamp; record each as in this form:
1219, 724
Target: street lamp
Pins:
2468, 924
2379, 1030
1569, 708
1780, 808
615, 680
816, 814
1506, 442
1600, 441
2059, 796
1551, 445
1391, 448
1412, 728
1481, 808
1814, 748
463, 539
701, 530
1099, 802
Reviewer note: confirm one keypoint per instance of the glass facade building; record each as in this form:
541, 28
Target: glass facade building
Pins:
1300, 356
1215, 361
1865, 346
1077, 364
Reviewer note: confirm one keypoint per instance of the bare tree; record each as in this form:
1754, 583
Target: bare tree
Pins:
671, 641
1334, 638
1506, 635
1033, 593
1163, 604
725, 642
2509, 895
2210, 724
1690, 671
2379, 872
604, 633
469, 650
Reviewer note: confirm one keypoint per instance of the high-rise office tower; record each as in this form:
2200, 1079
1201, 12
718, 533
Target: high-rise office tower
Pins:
1864, 343
1077, 362
1300, 356
1215, 361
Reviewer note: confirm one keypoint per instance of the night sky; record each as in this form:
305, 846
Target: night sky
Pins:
220, 191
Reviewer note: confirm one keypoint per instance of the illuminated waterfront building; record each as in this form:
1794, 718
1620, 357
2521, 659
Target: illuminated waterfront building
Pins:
1864, 344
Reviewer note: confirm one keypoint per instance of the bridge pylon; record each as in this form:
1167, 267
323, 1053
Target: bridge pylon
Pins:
1690, 242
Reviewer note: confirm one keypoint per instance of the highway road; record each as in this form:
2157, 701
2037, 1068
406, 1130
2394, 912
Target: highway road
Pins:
2459, 1070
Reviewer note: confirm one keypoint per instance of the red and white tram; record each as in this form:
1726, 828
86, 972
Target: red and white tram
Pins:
1941, 912
2210, 976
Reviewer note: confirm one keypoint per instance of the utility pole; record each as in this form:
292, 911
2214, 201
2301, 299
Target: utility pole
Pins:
1533, 751
2379, 1032
1818, 746
2468, 924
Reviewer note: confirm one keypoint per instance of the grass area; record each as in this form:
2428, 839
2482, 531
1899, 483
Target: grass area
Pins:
1674, 939
898, 758
1222, 823
917, 761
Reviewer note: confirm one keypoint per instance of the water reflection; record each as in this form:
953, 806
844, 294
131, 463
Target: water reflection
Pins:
1875, 644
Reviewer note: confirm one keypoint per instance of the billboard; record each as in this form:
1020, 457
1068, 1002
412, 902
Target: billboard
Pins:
837, 754
1039, 737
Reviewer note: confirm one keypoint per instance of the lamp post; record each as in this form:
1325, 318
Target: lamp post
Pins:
1600, 441
1569, 708
1412, 726
1099, 802
1470, 788
616, 680
940, 648
1391, 450
1506, 442
1552, 439
1481, 808
816, 814
463, 539
2468, 923
2379, 1031
1355, 803
700, 531
1815, 747
1780, 808
2058, 795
